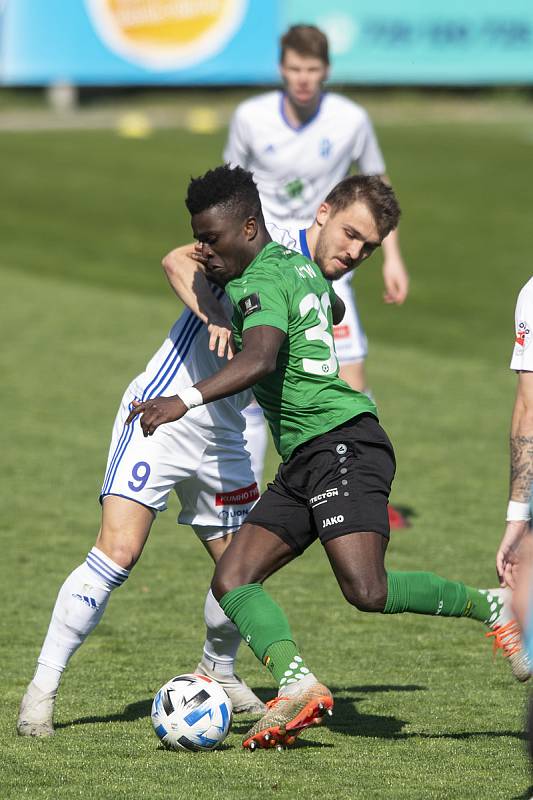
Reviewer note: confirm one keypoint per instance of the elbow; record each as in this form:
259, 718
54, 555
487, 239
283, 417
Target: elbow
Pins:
168, 264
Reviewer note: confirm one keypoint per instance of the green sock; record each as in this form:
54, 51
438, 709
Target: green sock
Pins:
426, 593
285, 663
263, 625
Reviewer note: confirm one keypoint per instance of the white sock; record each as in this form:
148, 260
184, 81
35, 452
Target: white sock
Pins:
501, 609
256, 440
222, 638
79, 607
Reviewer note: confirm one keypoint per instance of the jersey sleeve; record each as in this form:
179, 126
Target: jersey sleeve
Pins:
237, 151
261, 303
366, 153
522, 358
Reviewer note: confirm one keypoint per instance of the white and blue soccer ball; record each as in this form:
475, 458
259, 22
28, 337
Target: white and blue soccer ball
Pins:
191, 712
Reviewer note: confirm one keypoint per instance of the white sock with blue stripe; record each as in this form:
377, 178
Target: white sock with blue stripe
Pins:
79, 607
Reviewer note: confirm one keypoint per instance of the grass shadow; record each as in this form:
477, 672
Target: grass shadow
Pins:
526, 795
346, 720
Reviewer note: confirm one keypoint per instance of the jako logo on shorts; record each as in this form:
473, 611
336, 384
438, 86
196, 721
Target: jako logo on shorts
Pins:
332, 521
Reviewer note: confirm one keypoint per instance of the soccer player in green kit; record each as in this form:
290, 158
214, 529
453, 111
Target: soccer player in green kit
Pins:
338, 463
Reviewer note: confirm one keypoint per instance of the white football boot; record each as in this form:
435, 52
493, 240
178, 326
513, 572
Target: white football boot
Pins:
244, 701
36, 712
506, 634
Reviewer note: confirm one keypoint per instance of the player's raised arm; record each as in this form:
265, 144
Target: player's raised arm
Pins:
257, 359
184, 269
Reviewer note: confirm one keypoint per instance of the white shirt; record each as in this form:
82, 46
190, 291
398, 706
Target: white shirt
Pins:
522, 358
296, 168
183, 360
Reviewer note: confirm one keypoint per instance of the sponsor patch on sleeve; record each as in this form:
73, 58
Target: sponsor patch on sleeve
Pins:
522, 335
250, 304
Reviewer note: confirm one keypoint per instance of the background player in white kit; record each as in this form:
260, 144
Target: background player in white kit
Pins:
521, 439
299, 143
203, 459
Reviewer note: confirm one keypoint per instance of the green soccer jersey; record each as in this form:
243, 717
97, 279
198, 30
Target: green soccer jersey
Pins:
304, 397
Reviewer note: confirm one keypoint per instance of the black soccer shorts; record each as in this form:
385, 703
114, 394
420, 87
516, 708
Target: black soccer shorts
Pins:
335, 484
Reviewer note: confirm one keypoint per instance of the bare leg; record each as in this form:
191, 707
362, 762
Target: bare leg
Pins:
358, 561
81, 603
252, 557
124, 530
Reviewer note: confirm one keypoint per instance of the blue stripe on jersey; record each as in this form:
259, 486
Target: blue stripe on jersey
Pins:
170, 369
303, 243
172, 352
167, 371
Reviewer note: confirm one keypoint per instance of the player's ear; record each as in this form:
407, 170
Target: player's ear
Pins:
323, 213
250, 228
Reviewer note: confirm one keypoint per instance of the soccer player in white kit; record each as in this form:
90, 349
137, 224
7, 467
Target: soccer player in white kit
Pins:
514, 558
204, 460
299, 143
521, 439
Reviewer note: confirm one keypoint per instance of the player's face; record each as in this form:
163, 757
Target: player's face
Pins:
225, 243
303, 77
346, 238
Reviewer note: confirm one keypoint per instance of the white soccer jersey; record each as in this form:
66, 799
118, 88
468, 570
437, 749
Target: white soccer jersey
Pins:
296, 168
183, 360
351, 343
201, 456
522, 358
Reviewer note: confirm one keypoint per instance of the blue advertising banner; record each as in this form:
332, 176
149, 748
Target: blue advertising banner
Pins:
139, 41
191, 42
421, 42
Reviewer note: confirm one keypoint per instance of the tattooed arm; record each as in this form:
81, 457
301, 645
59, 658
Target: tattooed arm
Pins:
521, 475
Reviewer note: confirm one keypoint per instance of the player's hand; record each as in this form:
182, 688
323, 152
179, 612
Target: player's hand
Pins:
197, 254
157, 412
221, 338
396, 280
508, 555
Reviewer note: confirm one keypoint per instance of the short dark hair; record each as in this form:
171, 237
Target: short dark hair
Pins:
378, 196
306, 40
230, 187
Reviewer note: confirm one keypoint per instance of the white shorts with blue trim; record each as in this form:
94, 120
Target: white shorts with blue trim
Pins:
209, 469
351, 343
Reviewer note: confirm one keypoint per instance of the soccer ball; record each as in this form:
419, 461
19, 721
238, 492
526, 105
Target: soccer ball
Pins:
191, 712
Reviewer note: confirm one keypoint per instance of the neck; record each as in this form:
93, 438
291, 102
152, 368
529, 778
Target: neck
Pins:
259, 242
299, 115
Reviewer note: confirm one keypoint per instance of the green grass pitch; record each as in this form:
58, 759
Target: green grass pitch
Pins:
421, 709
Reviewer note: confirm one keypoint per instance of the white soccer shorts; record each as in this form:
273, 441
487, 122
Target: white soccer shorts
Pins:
351, 343
208, 469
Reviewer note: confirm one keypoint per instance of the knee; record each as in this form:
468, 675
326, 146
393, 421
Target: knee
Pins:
119, 550
223, 582
366, 596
